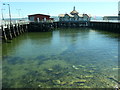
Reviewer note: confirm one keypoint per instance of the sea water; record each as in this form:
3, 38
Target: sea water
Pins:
62, 58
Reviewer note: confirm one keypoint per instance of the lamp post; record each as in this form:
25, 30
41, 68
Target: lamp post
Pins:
10, 35
9, 12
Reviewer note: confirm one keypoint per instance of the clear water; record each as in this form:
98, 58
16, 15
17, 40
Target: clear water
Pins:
72, 58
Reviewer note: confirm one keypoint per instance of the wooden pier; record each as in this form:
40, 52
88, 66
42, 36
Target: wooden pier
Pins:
106, 26
40, 26
9, 32
73, 24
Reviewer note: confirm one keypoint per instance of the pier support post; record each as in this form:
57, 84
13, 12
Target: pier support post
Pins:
9, 32
4, 37
13, 31
16, 29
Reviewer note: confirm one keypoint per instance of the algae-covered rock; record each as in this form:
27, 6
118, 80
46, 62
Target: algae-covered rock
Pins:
39, 85
81, 66
91, 71
75, 67
56, 82
63, 83
89, 76
80, 81
50, 69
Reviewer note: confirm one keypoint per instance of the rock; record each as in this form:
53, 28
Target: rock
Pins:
39, 86
71, 83
116, 68
79, 81
81, 66
50, 69
56, 82
75, 67
91, 71
57, 73
63, 83
89, 76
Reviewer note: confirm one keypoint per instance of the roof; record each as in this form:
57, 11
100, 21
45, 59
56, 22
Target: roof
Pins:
71, 15
80, 15
74, 11
39, 15
87, 15
61, 15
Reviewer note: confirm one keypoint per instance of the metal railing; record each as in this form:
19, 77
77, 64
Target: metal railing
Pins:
13, 22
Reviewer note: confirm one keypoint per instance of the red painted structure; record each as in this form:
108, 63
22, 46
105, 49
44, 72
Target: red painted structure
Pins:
39, 17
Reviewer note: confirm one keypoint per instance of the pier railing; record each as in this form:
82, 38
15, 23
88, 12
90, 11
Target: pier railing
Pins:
13, 22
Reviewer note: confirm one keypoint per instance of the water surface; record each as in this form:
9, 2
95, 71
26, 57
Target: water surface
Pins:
75, 58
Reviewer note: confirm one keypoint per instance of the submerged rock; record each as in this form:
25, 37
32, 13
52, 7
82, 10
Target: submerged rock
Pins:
79, 81
75, 67
116, 68
39, 86
63, 83
81, 66
56, 82
50, 69
89, 76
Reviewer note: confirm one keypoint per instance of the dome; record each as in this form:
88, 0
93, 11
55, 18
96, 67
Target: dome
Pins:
74, 11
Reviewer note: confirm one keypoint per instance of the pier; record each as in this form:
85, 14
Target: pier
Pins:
74, 24
41, 26
106, 26
11, 31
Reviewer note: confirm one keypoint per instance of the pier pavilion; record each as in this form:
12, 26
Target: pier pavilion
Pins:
74, 16
40, 18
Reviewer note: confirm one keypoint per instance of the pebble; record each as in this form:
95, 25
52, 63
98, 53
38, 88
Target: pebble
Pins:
39, 85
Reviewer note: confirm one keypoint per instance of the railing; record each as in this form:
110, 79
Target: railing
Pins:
106, 21
13, 22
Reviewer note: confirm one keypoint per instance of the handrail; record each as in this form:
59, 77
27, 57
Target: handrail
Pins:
13, 22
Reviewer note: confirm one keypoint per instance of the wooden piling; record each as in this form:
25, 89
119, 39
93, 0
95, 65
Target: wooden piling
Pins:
9, 32
4, 36
12, 31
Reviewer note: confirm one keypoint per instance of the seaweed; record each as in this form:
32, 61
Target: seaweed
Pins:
16, 60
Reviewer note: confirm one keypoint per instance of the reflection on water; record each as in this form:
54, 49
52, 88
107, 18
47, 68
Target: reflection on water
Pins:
72, 58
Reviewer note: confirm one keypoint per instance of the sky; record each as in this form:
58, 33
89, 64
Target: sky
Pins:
23, 8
